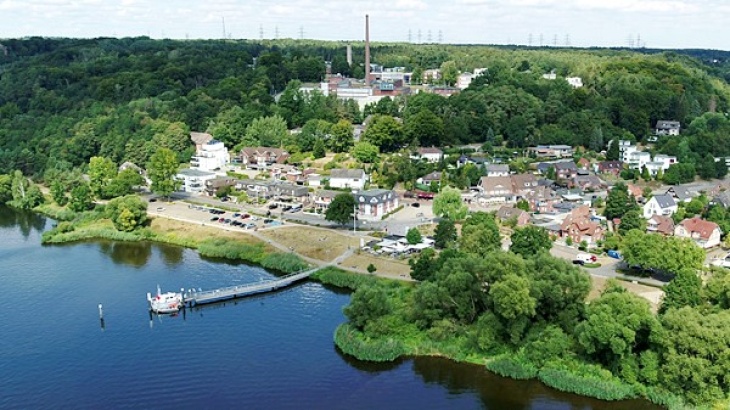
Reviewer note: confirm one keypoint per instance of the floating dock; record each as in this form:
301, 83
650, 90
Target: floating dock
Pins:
193, 297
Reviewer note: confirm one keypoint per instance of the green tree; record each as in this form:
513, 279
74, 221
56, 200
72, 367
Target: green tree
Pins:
371, 268
632, 219
319, 150
25, 194
161, 170
6, 188
670, 254
341, 208
613, 153
448, 204
695, 354
58, 192
414, 236
445, 233
530, 241
385, 132
645, 175
341, 139
619, 201
523, 205
268, 131
684, 290
81, 198
449, 72
424, 129
706, 168
124, 183
101, 172
365, 152
513, 303
422, 267
596, 141
368, 303
127, 213
551, 174
616, 328
480, 235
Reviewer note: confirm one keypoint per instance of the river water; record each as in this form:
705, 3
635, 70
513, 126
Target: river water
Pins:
272, 351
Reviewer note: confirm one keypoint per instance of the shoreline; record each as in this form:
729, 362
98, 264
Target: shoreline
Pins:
330, 274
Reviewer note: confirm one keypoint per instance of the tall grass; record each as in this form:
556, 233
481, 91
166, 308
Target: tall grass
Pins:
231, 249
585, 379
512, 366
355, 344
283, 262
342, 279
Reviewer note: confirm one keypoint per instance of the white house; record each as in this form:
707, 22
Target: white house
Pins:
375, 203
575, 82
705, 234
429, 154
348, 178
664, 127
193, 180
211, 156
660, 205
464, 80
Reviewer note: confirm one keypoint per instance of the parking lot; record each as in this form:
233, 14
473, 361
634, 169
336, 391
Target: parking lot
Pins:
212, 216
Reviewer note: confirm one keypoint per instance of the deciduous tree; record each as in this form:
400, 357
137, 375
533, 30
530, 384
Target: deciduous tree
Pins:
161, 170
448, 204
341, 208
530, 241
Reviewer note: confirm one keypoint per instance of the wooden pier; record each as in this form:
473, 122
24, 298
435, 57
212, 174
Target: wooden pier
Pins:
193, 297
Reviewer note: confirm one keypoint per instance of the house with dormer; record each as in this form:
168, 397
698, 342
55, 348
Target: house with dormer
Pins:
704, 233
374, 204
579, 226
496, 189
429, 154
660, 205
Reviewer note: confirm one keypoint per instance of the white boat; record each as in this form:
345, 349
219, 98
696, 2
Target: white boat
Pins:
168, 302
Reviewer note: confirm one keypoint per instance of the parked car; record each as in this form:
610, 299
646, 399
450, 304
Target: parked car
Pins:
415, 204
214, 219
583, 258
236, 215
268, 221
273, 206
244, 216
250, 225
613, 254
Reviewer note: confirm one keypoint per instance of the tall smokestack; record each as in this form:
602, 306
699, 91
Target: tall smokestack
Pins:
367, 50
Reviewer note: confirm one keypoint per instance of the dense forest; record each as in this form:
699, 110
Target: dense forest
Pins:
63, 101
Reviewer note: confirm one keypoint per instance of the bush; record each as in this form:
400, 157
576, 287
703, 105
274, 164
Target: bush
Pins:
230, 249
515, 367
354, 343
284, 262
342, 279
65, 227
585, 379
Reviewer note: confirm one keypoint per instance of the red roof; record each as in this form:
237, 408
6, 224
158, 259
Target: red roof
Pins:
699, 226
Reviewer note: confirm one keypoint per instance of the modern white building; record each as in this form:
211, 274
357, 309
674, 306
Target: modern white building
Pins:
193, 180
211, 156
575, 82
636, 159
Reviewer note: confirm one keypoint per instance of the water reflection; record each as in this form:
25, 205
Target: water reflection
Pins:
498, 392
26, 221
369, 367
135, 254
171, 255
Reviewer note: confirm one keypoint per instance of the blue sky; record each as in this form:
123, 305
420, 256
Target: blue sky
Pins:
657, 23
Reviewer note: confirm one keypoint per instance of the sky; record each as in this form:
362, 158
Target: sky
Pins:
578, 23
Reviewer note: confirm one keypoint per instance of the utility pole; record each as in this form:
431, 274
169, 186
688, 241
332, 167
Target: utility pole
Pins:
354, 219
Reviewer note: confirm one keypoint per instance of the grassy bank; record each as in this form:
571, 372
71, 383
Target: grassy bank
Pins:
209, 241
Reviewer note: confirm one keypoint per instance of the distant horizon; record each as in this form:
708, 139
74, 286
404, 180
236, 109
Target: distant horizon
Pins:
652, 24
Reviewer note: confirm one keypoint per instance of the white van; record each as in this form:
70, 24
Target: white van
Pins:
583, 258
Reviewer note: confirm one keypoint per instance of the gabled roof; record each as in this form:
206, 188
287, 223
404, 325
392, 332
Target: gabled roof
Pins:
523, 181
679, 192
347, 173
699, 226
498, 168
565, 165
374, 195
507, 212
610, 165
496, 183
663, 224
434, 176
667, 125
664, 201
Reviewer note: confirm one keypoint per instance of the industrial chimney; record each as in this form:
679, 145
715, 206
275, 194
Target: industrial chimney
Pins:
367, 50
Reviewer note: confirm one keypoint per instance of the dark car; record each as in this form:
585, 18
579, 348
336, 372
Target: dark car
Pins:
273, 206
236, 223
268, 221
236, 215
214, 219
415, 205
245, 216
153, 199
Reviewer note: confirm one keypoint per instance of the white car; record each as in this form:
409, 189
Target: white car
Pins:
583, 258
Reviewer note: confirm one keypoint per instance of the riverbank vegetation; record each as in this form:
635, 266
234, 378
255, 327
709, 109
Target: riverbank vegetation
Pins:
527, 317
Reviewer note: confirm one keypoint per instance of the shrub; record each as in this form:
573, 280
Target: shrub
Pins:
229, 249
585, 379
283, 262
65, 227
354, 343
342, 279
515, 367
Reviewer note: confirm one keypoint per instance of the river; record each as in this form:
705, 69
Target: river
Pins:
272, 351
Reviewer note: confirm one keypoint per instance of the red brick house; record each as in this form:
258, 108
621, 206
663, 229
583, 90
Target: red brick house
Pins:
579, 227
